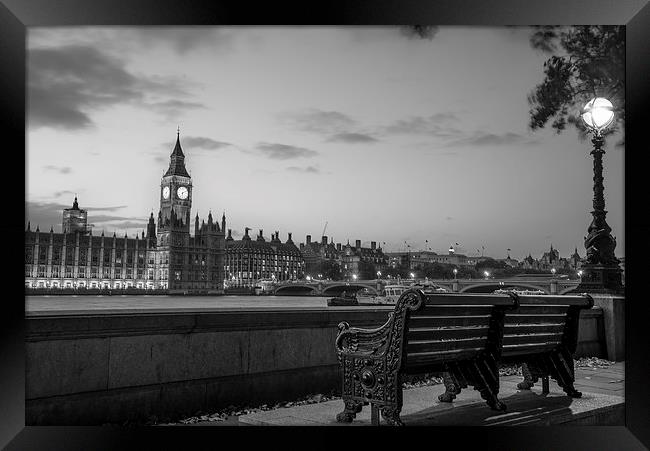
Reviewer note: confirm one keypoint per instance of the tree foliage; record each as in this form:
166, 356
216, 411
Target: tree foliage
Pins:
585, 62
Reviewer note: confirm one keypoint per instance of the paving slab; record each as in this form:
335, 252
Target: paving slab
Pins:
602, 403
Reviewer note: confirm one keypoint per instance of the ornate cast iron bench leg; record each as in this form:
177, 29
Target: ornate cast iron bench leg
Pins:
391, 415
529, 379
452, 387
350, 412
374, 414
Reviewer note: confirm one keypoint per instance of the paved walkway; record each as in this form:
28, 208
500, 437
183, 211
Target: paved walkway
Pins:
602, 403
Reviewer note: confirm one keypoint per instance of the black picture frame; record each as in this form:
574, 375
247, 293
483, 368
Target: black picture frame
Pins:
16, 15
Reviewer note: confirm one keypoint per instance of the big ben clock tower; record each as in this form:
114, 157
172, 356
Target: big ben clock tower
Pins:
174, 219
176, 189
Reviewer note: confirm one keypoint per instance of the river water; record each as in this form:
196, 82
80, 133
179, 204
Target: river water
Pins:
48, 305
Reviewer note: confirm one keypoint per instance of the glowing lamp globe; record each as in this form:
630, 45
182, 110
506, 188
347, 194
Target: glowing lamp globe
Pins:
598, 114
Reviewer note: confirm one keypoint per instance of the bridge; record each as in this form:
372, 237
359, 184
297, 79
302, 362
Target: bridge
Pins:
549, 285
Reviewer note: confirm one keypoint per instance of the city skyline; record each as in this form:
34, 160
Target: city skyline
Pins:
292, 128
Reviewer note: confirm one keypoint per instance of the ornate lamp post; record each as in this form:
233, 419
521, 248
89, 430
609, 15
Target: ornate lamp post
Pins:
600, 272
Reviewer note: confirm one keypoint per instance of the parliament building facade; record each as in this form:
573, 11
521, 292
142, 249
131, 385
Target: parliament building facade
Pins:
167, 258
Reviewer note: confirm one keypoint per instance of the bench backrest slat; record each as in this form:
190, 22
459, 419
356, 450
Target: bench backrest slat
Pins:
445, 333
520, 329
532, 338
449, 321
519, 318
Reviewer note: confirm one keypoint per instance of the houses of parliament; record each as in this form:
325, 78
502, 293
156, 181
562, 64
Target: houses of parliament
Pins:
167, 258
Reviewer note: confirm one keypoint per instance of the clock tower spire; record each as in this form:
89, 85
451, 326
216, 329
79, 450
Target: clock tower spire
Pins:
176, 190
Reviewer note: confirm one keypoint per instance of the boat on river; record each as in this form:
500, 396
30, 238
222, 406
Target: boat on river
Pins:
392, 293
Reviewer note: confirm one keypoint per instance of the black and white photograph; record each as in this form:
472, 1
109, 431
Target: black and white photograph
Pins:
408, 225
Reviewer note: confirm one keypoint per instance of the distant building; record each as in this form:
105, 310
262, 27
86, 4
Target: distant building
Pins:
75, 219
352, 259
417, 259
247, 261
316, 253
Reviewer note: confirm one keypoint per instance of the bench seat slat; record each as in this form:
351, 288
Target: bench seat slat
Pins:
446, 333
431, 358
534, 348
422, 347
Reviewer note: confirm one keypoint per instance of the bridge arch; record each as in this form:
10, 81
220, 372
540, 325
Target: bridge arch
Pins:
491, 286
293, 288
338, 288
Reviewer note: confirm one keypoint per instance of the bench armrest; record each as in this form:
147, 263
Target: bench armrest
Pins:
355, 341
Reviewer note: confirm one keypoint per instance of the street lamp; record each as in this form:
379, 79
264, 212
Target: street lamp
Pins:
308, 278
553, 271
354, 276
455, 273
412, 276
601, 270
486, 274
379, 274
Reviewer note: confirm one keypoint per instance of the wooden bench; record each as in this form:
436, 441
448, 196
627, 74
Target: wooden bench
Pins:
542, 335
426, 333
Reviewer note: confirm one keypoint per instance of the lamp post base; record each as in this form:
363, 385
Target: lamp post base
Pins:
600, 279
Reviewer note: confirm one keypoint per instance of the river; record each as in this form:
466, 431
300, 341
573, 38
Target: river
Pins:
70, 305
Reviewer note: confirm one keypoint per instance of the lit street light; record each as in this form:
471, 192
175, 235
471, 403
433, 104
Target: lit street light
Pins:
455, 273
553, 271
412, 276
486, 274
354, 276
379, 274
308, 278
601, 269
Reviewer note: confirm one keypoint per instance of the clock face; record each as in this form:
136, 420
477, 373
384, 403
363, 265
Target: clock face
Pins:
165, 192
182, 192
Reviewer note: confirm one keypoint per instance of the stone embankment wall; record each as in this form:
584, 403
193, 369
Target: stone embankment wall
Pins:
96, 369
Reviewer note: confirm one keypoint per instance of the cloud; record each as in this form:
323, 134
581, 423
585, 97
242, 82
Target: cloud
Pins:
119, 207
59, 169
171, 109
438, 124
317, 121
199, 142
128, 40
67, 84
183, 39
482, 138
63, 193
277, 151
121, 226
308, 169
352, 138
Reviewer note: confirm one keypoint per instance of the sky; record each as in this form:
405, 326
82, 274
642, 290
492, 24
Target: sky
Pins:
374, 134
